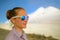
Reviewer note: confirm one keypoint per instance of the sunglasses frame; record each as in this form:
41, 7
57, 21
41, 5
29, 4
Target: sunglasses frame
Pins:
21, 17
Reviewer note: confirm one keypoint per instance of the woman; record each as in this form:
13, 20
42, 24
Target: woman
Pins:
19, 18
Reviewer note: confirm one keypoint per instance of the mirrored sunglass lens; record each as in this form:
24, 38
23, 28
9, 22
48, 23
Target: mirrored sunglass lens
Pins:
22, 18
27, 16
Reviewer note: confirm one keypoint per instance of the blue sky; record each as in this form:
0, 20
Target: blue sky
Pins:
29, 5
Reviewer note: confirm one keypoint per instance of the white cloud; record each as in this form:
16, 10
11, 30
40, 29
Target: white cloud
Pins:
45, 15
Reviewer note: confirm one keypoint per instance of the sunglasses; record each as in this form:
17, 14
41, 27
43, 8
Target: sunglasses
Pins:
22, 17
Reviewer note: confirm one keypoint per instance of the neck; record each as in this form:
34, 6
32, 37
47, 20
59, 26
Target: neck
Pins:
18, 29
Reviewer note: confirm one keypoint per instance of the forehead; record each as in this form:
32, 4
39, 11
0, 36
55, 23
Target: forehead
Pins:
21, 12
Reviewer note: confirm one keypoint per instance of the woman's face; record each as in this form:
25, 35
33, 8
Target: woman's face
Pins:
18, 22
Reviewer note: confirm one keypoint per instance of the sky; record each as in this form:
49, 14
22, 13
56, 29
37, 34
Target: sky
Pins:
29, 5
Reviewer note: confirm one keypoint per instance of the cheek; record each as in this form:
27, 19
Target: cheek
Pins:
19, 22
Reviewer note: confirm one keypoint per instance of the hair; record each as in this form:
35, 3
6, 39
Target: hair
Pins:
11, 13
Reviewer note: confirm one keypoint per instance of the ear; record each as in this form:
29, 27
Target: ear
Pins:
12, 20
